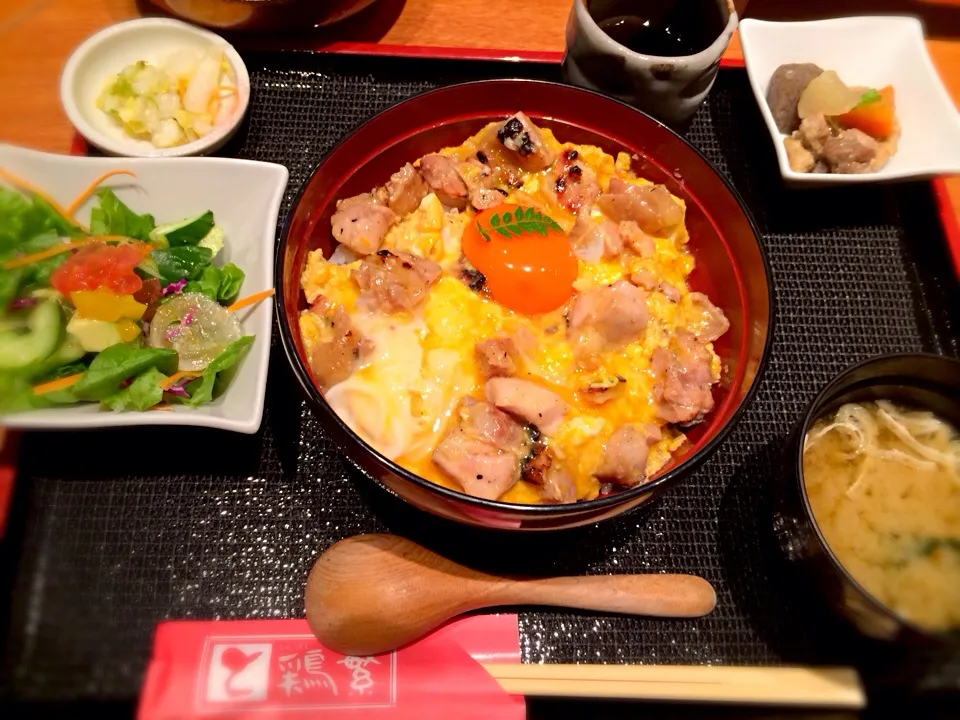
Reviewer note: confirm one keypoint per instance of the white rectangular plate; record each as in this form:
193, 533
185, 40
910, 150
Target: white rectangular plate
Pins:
245, 199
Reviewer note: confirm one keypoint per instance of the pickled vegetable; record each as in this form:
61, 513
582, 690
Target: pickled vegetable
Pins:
828, 95
198, 328
176, 102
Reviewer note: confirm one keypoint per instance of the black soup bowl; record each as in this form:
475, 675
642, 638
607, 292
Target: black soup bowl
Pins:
731, 266
924, 382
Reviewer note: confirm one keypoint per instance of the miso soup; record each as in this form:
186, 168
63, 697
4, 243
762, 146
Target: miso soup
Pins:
884, 487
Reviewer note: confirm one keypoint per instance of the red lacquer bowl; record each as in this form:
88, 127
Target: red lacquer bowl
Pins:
731, 266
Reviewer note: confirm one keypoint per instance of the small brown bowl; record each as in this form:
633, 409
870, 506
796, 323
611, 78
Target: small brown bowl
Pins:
929, 382
731, 266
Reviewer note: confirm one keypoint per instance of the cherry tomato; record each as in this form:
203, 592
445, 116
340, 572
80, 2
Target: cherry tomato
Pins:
100, 265
525, 257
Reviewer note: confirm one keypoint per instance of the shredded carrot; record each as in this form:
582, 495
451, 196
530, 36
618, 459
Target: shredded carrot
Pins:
251, 300
82, 197
20, 183
55, 385
178, 376
57, 249
43, 254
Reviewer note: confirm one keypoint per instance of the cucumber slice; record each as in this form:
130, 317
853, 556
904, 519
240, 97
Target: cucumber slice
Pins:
186, 232
213, 240
41, 335
70, 351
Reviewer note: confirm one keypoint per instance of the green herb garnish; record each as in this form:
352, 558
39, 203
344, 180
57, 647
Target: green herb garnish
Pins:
870, 96
524, 220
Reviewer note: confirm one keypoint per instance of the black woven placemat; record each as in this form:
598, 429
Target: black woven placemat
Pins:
115, 530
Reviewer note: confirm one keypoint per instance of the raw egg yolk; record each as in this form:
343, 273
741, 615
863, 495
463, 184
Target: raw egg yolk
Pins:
525, 257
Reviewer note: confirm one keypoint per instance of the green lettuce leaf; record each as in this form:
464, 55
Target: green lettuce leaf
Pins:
172, 264
202, 390
219, 284
9, 285
16, 395
142, 394
231, 281
37, 274
208, 283
23, 218
112, 217
119, 362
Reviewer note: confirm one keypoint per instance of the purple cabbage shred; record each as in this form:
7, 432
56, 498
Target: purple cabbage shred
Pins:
23, 303
174, 288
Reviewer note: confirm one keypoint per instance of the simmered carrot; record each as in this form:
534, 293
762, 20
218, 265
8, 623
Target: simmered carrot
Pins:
875, 115
57, 249
91, 188
251, 300
20, 183
54, 385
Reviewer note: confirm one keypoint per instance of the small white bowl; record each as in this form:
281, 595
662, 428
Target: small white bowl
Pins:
112, 49
871, 51
244, 196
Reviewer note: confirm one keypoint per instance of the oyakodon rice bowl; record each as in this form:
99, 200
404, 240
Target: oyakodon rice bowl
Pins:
517, 317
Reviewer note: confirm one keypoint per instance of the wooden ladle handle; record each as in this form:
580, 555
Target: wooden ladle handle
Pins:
655, 594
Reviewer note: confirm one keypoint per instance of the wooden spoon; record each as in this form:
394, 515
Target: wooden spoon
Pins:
374, 593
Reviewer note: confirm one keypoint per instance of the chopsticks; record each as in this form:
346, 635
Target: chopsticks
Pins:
838, 687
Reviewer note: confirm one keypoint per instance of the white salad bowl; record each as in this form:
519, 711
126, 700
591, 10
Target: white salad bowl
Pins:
864, 51
245, 199
109, 51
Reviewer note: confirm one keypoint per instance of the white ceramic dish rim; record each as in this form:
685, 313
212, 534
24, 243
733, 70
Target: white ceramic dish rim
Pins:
758, 85
118, 147
66, 419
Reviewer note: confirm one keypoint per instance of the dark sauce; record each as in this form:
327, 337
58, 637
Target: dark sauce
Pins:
668, 28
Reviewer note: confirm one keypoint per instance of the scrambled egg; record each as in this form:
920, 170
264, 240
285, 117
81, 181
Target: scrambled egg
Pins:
402, 404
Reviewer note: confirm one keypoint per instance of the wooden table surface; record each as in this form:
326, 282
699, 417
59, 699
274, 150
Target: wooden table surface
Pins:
36, 36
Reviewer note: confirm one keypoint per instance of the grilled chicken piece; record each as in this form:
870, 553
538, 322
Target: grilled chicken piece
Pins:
442, 176
670, 292
636, 239
558, 485
644, 278
685, 379
650, 206
395, 281
405, 189
575, 184
543, 469
485, 451
334, 357
609, 316
525, 399
480, 181
704, 319
519, 135
360, 223
593, 241
496, 357
625, 455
